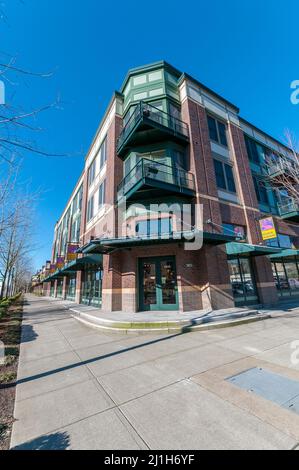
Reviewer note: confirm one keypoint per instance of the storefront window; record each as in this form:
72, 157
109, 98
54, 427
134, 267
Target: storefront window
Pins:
242, 281
286, 275
92, 288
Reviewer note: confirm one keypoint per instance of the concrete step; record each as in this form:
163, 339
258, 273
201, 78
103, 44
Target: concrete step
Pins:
93, 319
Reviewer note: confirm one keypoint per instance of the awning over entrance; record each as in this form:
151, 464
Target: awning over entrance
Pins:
108, 245
234, 249
286, 253
80, 264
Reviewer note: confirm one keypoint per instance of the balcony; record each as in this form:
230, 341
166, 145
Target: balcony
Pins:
280, 171
149, 124
289, 209
148, 178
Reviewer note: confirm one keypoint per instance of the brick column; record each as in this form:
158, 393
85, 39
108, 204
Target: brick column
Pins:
129, 281
214, 277
112, 292
188, 267
266, 288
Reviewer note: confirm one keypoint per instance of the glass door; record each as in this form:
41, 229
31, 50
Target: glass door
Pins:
158, 284
59, 288
92, 288
71, 288
242, 281
52, 289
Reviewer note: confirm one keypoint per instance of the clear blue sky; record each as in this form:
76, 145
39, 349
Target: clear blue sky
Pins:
246, 51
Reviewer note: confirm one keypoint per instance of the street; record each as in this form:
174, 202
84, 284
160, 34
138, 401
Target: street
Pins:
79, 388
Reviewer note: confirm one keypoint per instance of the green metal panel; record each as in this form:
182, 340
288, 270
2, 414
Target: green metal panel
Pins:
287, 253
234, 249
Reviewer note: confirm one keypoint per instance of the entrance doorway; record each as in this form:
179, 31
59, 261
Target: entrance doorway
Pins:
158, 284
92, 288
242, 281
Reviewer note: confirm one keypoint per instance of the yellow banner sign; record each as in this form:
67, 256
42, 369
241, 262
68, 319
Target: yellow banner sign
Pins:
267, 227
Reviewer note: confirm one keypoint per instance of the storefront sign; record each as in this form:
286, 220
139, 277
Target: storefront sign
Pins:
71, 251
60, 262
267, 228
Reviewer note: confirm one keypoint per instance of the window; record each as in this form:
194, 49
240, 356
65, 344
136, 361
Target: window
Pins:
102, 191
260, 190
90, 209
234, 230
217, 131
230, 178
91, 172
283, 241
103, 153
224, 176
151, 227
252, 150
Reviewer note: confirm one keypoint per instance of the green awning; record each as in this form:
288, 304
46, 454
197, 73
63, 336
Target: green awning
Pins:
245, 249
286, 253
80, 264
108, 245
52, 277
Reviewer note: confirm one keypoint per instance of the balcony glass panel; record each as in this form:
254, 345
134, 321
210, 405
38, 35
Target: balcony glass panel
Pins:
149, 170
145, 112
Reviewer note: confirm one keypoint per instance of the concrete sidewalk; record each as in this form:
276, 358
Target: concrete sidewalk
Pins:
79, 388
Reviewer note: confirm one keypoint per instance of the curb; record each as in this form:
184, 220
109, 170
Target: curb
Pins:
110, 326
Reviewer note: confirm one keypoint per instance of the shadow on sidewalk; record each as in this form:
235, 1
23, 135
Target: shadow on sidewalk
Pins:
55, 441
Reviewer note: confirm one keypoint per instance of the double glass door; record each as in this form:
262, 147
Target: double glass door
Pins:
92, 288
158, 284
242, 281
71, 288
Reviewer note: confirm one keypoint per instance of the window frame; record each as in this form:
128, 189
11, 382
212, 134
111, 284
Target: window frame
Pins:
226, 178
92, 172
219, 134
90, 209
102, 194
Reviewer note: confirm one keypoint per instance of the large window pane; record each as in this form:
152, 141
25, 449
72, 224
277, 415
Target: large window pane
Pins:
230, 178
222, 133
220, 178
212, 129
292, 275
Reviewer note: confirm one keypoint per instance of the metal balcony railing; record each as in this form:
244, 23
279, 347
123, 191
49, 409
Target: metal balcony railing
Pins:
150, 171
278, 167
148, 113
288, 206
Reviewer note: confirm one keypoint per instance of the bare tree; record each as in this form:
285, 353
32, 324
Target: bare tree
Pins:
16, 241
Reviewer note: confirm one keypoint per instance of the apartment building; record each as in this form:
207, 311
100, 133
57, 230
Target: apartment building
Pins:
172, 159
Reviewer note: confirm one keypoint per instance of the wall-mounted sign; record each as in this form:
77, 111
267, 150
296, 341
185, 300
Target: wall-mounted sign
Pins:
60, 262
267, 228
71, 251
52, 268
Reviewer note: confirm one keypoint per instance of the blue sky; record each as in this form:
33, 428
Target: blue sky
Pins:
245, 50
